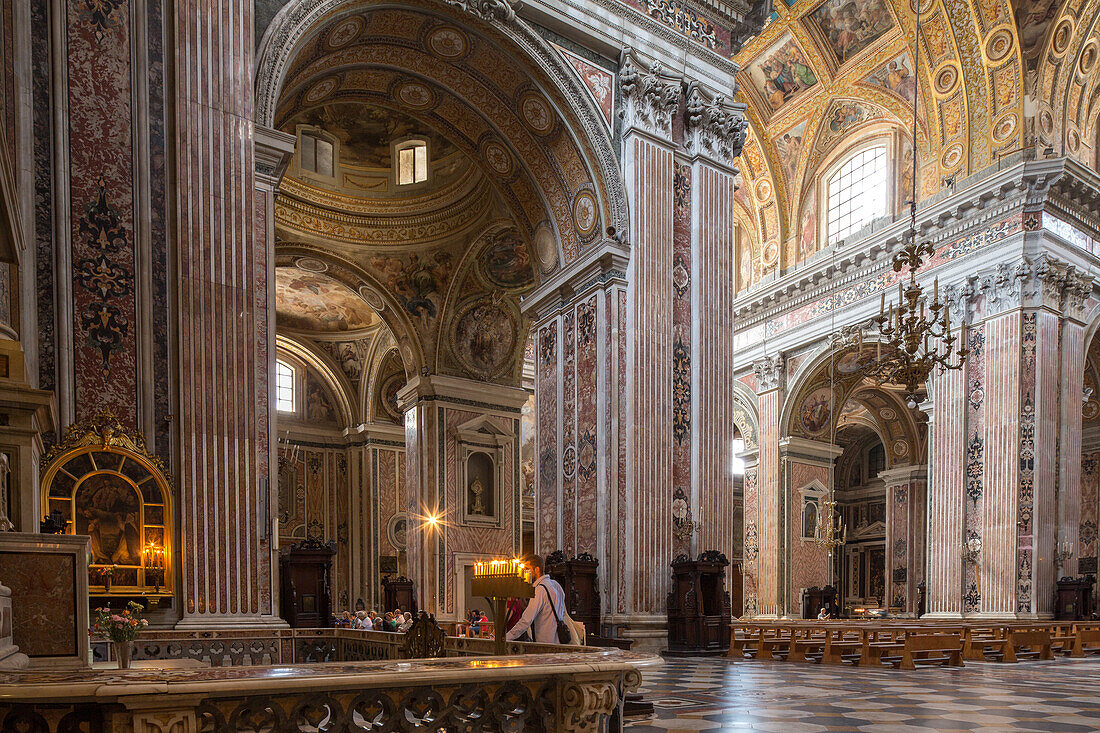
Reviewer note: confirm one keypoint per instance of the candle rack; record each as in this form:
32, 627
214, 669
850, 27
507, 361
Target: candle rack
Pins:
500, 580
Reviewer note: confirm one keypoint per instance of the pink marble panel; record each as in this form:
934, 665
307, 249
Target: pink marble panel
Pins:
43, 588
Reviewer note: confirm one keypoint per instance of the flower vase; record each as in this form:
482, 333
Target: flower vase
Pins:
122, 653
107, 584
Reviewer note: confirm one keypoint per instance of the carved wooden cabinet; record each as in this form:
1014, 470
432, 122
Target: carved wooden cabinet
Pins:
699, 607
399, 593
582, 594
304, 577
1073, 599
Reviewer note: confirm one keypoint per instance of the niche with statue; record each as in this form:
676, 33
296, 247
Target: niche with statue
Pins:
482, 447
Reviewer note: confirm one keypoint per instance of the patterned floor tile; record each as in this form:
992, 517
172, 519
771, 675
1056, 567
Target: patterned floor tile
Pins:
734, 694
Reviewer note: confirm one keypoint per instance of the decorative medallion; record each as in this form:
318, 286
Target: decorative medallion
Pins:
407, 352
887, 414
946, 79
397, 529
484, 338
387, 394
569, 462
1004, 127
1063, 33
497, 158
415, 95
901, 448
373, 299
763, 190
546, 248
999, 45
311, 264
815, 411
536, 113
1087, 62
448, 42
925, 7
584, 213
1046, 122
320, 90
771, 252
344, 33
1091, 410
505, 261
952, 156
1073, 141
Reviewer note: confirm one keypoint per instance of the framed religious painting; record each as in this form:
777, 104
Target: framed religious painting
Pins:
105, 484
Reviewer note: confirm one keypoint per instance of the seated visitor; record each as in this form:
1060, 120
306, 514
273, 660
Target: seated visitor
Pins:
406, 623
822, 614
545, 610
360, 619
388, 624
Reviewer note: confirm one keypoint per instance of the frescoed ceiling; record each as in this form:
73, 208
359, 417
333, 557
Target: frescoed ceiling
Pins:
822, 71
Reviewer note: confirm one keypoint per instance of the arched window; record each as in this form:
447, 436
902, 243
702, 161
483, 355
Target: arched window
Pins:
411, 162
284, 387
857, 191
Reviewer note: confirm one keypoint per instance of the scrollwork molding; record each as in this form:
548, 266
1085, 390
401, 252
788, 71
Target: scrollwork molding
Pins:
1037, 282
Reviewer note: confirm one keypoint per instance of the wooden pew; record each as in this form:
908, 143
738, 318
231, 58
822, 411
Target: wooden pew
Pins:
928, 649
1085, 641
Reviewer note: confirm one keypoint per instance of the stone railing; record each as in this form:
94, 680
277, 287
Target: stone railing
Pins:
571, 690
245, 647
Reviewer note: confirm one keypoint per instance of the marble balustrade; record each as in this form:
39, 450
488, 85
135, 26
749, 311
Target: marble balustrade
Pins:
264, 646
573, 690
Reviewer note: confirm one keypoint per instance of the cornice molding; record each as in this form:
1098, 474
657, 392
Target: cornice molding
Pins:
603, 264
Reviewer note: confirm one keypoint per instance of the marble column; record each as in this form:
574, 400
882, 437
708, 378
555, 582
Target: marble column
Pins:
751, 569
713, 139
225, 357
580, 415
1072, 380
807, 475
771, 384
650, 98
906, 489
446, 420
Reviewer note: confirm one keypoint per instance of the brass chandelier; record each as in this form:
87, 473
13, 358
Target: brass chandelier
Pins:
917, 334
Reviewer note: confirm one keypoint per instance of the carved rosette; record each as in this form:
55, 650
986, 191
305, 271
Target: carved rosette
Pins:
715, 129
770, 373
650, 95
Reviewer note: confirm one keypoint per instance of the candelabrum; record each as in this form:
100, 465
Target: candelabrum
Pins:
683, 527
501, 580
1063, 554
153, 556
831, 531
917, 333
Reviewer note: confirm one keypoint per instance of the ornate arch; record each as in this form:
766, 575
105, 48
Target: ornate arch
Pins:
517, 50
329, 373
377, 295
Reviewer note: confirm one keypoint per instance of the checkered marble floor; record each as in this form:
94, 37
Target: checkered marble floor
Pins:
726, 694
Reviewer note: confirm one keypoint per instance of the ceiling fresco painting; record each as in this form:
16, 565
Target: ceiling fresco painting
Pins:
781, 73
860, 75
309, 301
850, 27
